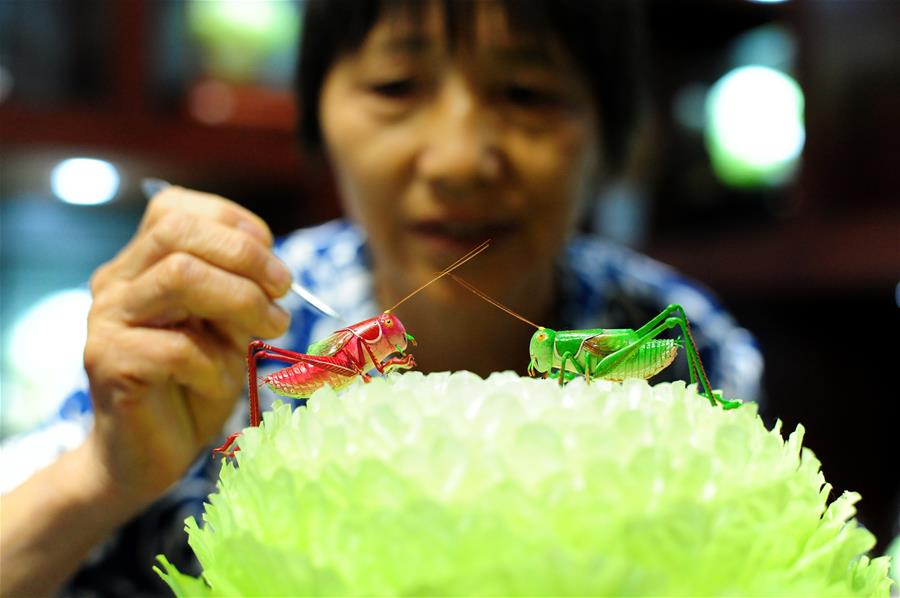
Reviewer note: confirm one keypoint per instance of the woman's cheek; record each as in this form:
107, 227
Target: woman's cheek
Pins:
551, 173
555, 179
381, 155
365, 181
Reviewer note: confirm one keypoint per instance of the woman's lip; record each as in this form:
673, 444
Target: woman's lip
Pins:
462, 231
456, 235
462, 227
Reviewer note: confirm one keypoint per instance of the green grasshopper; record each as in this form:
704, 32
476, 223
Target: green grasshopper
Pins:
612, 353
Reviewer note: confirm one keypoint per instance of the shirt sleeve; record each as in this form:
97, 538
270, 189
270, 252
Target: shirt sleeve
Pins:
24, 454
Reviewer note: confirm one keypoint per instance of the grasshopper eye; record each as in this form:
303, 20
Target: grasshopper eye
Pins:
389, 322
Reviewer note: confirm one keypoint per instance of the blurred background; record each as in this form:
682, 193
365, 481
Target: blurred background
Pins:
768, 167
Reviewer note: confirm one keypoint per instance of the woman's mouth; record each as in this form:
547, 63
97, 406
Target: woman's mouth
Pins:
456, 235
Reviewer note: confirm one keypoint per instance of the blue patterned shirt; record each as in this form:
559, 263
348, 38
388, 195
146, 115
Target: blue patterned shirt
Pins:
602, 285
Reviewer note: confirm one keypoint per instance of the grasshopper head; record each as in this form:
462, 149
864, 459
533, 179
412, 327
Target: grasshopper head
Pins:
394, 331
541, 349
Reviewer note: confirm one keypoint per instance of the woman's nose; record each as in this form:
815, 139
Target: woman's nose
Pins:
460, 152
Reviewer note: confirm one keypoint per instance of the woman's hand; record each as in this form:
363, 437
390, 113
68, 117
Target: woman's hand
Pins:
167, 336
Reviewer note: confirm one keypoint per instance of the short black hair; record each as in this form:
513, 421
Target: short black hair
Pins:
604, 38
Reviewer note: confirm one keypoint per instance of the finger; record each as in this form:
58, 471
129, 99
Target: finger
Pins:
181, 286
205, 205
227, 248
178, 201
237, 339
224, 333
195, 361
153, 356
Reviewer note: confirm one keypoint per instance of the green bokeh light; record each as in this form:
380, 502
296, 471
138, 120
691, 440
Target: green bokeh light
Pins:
238, 35
754, 126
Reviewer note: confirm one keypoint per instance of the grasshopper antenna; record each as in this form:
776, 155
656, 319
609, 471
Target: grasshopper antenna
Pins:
493, 302
484, 245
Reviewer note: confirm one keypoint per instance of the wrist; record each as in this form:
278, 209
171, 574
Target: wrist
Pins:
53, 519
97, 490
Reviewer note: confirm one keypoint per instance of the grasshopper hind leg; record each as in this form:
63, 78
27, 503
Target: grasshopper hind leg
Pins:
697, 371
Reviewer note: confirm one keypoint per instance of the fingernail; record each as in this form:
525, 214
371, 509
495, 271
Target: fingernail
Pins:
278, 276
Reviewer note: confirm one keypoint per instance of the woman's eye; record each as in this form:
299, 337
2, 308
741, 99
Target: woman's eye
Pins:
530, 97
401, 88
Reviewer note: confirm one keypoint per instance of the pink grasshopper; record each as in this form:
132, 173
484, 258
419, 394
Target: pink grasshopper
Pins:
377, 343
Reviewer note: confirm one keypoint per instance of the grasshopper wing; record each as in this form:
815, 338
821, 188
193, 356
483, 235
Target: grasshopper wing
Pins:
327, 363
605, 343
331, 344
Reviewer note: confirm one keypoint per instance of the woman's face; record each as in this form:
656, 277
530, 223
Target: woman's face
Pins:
437, 149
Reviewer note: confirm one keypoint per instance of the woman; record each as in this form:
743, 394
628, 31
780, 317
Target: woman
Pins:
445, 123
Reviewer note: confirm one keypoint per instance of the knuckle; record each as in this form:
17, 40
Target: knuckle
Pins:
97, 358
171, 196
221, 209
99, 278
245, 252
93, 356
166, 203
158, 206
170, 227
179, 350
178, 271
101, 304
